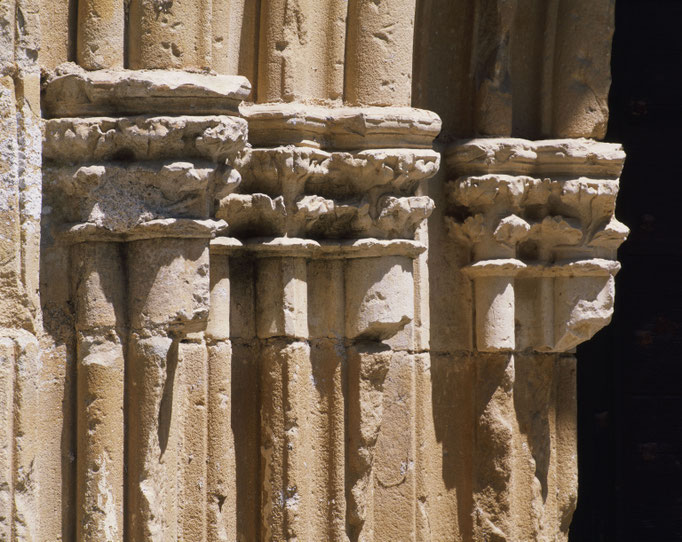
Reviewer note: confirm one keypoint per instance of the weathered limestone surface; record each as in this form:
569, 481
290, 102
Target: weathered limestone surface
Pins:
21, 371
252, 287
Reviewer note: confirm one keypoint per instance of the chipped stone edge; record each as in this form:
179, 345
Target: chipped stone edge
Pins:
340, 128
521, 156
185, 228
73, 92
269, 247
592, 267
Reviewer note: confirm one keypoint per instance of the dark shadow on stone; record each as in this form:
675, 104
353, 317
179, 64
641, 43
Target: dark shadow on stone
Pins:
166, 405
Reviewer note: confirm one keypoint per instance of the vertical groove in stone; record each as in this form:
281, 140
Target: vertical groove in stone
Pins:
245, 388
165, 35
493, 448
548, 61
491, 66
328, 361
100, 34
379, 52
101, 332
301, 51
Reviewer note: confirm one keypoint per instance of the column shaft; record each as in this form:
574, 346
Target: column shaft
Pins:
221, 476
101, 333
379, 52
100, 34
165, 35
167, 298
301, 54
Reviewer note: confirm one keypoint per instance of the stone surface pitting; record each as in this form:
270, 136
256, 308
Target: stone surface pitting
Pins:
559, 157
77, 140
330, 234
132, 202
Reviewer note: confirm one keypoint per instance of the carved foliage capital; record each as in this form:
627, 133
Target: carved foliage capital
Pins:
548, 206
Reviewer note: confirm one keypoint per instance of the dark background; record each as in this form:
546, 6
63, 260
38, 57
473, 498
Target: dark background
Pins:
630, 374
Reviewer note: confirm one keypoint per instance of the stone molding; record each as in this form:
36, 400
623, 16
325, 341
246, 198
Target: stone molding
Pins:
340, 128
74, 92
538, 219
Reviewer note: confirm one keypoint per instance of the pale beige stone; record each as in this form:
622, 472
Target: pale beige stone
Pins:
58, 25
280, 321
379, 52
281, 302
100, 34
221, 477
165, 35
540, 214
379, 303
72, 92
101, 323
74, 140
301, 50
340, 128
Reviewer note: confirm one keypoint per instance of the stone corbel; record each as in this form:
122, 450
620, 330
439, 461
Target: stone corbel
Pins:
133, 165
538, 219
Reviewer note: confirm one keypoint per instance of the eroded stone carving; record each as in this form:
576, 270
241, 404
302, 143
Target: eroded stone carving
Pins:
229, 336
539, 220
339, 226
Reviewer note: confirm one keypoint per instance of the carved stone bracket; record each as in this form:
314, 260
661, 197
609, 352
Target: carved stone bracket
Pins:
538, 218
